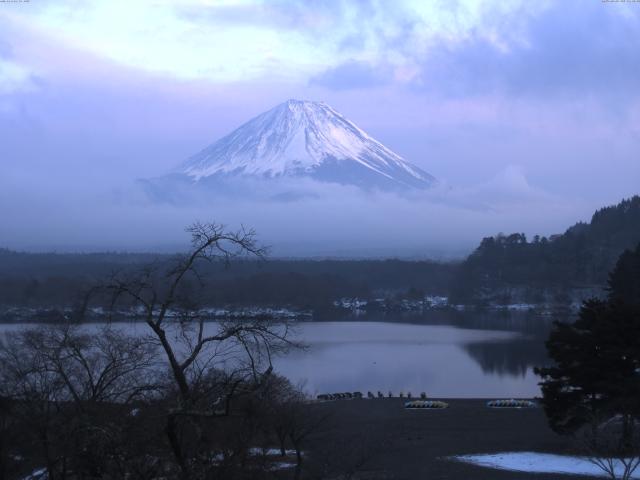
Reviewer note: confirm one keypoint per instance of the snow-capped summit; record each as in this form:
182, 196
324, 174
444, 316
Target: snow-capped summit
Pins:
304, 138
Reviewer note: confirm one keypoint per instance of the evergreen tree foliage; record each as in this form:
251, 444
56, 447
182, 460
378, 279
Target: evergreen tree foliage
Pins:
581, 257
624, 280
596, 371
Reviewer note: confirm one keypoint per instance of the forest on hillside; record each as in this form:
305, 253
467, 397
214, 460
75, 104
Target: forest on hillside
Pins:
503, 269
578, 259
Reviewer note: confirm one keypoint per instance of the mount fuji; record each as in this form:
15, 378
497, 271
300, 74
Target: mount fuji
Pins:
302, 139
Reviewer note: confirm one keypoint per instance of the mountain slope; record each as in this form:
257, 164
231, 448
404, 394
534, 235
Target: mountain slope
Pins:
304, 139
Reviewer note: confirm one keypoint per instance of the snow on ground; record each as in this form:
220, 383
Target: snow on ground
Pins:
39, 474
270, 451
533, 462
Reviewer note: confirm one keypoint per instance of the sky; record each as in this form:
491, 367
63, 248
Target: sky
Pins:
527, 112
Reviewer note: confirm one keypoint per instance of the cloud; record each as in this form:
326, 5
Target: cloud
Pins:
353, 75
153, 37
571, 49
315, 17
281, 38
15, 78
458, 49
509, 188
5, 47
332, 220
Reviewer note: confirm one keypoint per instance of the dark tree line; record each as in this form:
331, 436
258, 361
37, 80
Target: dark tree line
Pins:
54, 280
581, 257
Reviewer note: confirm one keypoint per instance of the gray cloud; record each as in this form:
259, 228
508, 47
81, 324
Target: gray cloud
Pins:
572, 49
307, 17
353, 75
336, 220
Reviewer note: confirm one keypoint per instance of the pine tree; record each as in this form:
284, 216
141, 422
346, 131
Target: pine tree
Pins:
596, 375
624, 280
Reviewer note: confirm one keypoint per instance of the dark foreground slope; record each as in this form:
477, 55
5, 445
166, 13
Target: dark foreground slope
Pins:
390, 442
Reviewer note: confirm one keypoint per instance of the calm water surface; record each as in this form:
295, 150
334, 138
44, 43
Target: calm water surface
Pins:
476, 356
441, 360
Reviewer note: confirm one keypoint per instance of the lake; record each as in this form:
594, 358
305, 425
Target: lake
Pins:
445, 355
441, 360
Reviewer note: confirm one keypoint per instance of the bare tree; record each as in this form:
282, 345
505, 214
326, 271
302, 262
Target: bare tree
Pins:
7, 440
613, 445
292, 418
103, 366
91, 398
167, 298
61, 380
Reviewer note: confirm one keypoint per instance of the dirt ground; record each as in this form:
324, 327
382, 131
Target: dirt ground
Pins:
385, 440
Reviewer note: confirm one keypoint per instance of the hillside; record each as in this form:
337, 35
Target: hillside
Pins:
579, 259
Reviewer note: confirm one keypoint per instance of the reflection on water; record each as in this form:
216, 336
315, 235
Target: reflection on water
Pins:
514, 358
442, 360
445, 354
